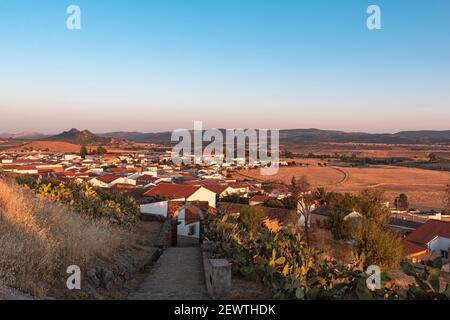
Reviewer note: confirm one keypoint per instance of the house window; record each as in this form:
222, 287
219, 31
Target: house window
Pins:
192, 230
444, 254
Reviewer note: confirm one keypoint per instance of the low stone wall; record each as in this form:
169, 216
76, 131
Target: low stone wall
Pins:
165, 235
217, 274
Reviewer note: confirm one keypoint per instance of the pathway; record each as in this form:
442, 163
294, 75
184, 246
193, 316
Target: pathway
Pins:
177, 275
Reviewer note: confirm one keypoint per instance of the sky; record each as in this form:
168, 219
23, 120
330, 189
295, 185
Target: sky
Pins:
156, 65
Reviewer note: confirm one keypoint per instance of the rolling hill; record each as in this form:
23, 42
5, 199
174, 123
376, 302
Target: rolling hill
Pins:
293, 137
84, 137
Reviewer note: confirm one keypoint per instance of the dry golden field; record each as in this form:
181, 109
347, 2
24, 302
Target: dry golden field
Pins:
417, 152
425, 188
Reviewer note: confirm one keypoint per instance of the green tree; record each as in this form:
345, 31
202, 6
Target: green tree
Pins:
401, 202
101, 151
340, 228
372, 204
380, 245
83, 151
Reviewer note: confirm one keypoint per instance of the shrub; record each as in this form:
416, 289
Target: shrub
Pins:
283, 262
274, 203
340, 228
380, 246
234, 198
86, 200
252, 219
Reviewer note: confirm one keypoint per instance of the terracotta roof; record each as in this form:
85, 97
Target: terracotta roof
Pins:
412, 249
26, 168
216, 188
107, 178
191, 215
238, 185
430, 230
147, 178
172, 190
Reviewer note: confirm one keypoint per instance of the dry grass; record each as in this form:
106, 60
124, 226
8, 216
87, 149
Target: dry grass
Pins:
39, 240
425, 188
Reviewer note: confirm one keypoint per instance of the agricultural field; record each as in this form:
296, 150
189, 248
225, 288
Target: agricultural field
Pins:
425, 188
359, 150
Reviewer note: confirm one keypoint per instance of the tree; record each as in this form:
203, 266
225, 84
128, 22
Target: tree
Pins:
101, 151
380, 245
340, 228
372, 204
83, 152
304, 199
401, 202
339, 200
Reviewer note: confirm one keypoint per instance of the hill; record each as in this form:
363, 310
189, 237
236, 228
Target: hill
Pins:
295, 137
76, 136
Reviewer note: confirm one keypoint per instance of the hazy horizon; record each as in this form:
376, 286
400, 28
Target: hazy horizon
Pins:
205, 128
160, 65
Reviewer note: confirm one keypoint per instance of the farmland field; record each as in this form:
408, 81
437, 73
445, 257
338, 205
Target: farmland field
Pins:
425, 188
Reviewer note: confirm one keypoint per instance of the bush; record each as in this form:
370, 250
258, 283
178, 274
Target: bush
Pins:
274, 203
380, 246
85, 199
340, 228
234, 198
284, 263
252, 219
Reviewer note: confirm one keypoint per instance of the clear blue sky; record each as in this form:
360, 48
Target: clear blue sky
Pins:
161, 64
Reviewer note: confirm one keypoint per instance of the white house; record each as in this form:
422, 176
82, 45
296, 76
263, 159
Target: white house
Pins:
189, 222
109, 180
183, 192
431, 238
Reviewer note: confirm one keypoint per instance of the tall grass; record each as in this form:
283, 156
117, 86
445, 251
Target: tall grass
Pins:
39, 240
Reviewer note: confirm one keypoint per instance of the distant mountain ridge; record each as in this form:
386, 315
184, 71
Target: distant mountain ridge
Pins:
23, 135
288, 137
293, 137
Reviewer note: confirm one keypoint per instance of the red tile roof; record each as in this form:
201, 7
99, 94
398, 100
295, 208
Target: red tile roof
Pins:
239, 185
216, 188
416, 242
430, 230
191, 215
175, 191
147, 178
108, 178
413, 248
